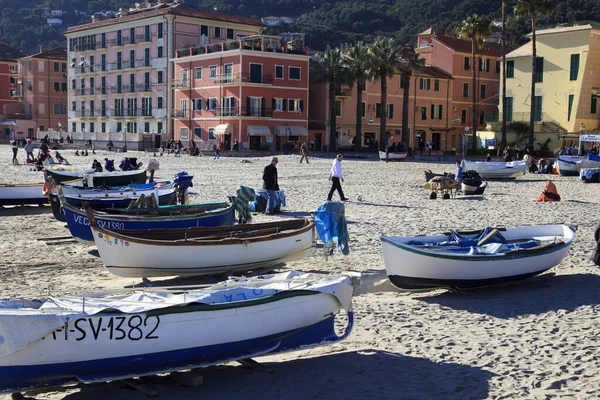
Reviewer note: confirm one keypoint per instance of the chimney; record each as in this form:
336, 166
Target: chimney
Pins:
123, 11
94, 19
42, 49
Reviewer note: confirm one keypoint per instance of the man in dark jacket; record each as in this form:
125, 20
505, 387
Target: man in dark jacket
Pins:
270, 183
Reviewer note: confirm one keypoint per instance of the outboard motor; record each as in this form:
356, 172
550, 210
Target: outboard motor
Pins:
183, 182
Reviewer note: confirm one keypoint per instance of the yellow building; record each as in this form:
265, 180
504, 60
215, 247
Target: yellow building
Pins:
567, 89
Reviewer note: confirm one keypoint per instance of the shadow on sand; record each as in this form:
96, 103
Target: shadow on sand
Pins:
366, 374
12, 211
536, 296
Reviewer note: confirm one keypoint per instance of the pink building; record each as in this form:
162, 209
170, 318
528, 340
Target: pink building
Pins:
8, 89
42, 89
120, 68
253, 91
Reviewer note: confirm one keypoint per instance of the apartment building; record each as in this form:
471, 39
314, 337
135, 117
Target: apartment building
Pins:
253, 91
42, 91
8, 87
119, 73
567, 77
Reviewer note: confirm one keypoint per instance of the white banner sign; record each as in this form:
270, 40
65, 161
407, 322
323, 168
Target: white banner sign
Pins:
590, 138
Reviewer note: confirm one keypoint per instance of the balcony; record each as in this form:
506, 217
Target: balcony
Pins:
114, 42
129, 40
143, 87
17, 116
101, 113
143, 63
100, 90
128, 64
124, 113
128, 88
142, 37
264, 43
115, 66
115, 89
181, 83
180, 113
240, 112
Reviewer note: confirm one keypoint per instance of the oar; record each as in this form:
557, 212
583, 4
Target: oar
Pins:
487, 237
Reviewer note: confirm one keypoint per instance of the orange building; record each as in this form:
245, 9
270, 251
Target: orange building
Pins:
253, 91
8, 88
42, 89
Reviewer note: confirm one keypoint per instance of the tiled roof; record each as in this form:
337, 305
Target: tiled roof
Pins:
523, 51
464, 46
562, 29
433, 72
7, 53
174, 9
59, 53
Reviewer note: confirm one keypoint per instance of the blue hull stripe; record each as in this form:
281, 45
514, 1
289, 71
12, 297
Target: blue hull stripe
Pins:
16, 378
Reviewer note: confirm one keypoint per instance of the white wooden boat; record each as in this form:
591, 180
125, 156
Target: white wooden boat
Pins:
202, 251
100, 337
20, 194
106, 178
496, 170
394, 156
591, 161
567, 165
474, 259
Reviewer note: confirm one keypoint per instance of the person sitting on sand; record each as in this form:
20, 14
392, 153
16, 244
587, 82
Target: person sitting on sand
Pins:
109, 165
76, 153
61, 159
97, 166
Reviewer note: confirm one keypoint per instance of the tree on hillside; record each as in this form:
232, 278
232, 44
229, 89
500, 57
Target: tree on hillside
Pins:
357, 60
410, 63
476, 30
330, 70
533, 9
384, 56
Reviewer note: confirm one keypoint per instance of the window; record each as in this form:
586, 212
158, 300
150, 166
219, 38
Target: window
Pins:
160, 52
119, 83
83, 127
131, 83
228, 106
159, 77
481, 117
482, 91
539, 69
229, 33
160, 30
92, 127
436, 85
467, 64
132, 35
147, 57
436, 111
103, 40
73, 127
217, 32
364, 109
119, 38
390, 111
159, 127
73, 106
294, 73
92, 88
211, 104
103, 84
212, 72
103, 62
64, 67
147, 33
56, 67
574, 67
463, 116
159, 102
279, 72
484, 64
295, 105
423, 113
537, 108
277, 104
510, 69
198, 133
131, 58
203, 30
509, 109
59, 109
425, 84
147, 107
73, 84
196, 104
198, 73
103, 108
498, 64
338, 108
146, 81
119, 59
465, 89
594, 104
63, 86
211, 134
103, 127
41, 66
92, 61
183, 133
571, 98
56, 86
227, 73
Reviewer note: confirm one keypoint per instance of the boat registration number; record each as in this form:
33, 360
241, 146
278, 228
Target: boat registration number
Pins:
82, 220
134, 328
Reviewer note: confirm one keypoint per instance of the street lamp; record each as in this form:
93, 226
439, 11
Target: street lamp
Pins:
581, 132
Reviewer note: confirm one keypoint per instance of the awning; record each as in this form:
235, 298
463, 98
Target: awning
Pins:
258, 130
291, 130
7, 122
223, 129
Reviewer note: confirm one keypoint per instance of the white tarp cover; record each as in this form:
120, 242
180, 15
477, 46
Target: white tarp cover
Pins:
484, 166
23, 322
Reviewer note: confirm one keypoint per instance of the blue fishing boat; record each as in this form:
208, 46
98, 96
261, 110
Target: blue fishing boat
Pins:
165, 217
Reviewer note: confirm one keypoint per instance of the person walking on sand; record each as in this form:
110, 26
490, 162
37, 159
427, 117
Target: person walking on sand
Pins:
270, 184
429, 146
29, 150
304, 151
15, 150
335, 176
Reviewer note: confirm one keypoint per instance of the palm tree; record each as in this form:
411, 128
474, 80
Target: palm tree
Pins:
410, 63
503, 140
475, 29
330, 71
357, 60
533, 8
384, 58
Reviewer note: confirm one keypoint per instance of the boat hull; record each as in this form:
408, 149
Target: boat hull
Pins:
117, 178
395, 156
109, 346
423, 269
567, 166
79, 226
496, 170
21, 194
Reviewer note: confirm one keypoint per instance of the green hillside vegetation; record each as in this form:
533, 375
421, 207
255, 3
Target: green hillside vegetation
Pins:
324, 21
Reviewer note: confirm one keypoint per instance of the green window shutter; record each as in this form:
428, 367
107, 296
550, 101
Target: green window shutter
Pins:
509, 109
273, 103
574, 66
364, 106
233, 102
594, 104
440, 111
482, 94
467, 63
510, 69
539, 69
390, 111
432, 114
284, 104
465, 89
247, 106
436, 85
428, 84
377, 110
262, 107
571, 98
301, 105
537, 108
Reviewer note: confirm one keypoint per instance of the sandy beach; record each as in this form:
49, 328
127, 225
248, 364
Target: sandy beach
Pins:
538, 339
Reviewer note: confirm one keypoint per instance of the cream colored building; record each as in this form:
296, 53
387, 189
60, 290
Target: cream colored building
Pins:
567, 77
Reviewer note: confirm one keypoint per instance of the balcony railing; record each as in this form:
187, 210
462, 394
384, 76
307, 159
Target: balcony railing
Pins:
18, 116
127, 64
115, 66
125, 112
239, 112
255, 43
129, 88
100, 90
180, 113
143, 87
142, 37
115, 89
102, 113
181, 83
496, 117
143, 63
115, 42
